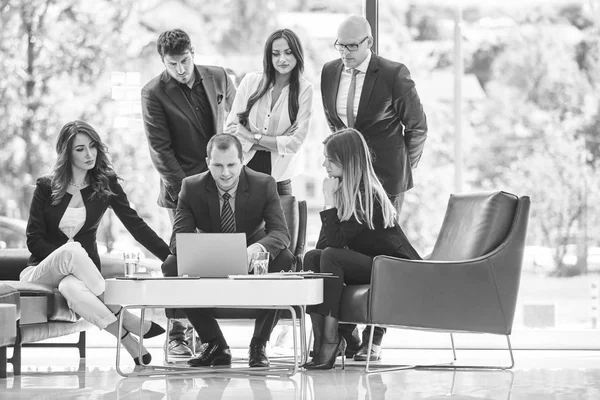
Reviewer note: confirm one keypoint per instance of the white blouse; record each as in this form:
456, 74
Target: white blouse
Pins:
72, 221
274, 121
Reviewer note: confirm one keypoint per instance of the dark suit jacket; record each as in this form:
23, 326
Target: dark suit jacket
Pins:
258, 211
44, 236
172, 127
390, 117
358, 237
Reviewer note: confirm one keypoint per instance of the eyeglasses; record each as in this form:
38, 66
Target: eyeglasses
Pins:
349, 47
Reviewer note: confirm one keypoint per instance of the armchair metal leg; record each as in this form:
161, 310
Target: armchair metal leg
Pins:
450, 365
475, 367
381, 368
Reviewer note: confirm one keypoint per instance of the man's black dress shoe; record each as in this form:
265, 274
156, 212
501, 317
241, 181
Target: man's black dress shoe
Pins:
211, 354
257, 356
361, 354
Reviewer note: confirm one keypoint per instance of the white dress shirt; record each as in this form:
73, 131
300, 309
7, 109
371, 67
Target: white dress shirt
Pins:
274, 121
345, 79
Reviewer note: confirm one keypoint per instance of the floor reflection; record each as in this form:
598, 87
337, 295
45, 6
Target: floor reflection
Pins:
538, 375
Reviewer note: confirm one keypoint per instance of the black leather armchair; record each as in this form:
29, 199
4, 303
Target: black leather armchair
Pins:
469, 284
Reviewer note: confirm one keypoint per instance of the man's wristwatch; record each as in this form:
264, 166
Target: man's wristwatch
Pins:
257, 137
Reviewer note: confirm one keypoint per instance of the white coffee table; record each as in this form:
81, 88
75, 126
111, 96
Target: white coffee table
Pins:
216, 293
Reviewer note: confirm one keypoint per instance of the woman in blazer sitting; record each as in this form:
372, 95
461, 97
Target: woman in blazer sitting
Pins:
272, 109
65, 212
358, 223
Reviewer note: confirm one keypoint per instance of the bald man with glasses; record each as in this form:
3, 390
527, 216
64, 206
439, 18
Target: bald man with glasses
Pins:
377, 97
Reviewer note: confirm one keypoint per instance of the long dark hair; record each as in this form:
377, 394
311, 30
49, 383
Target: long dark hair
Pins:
62, 174
268, 78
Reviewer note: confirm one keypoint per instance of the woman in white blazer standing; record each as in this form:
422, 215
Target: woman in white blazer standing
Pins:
272, 109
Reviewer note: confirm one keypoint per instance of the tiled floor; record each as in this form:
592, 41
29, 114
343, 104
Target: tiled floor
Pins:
560, 375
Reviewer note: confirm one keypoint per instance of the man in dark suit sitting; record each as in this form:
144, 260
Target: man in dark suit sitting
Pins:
377, 97
206, 202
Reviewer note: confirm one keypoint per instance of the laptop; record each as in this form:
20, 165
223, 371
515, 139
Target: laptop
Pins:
211, 255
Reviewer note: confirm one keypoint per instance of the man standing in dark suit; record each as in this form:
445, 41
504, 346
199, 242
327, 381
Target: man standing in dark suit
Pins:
378, 98
206, 203
182, 108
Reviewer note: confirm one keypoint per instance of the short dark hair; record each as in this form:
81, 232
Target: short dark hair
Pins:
173, 43
223, 141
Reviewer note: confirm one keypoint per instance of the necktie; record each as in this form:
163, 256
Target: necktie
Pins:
227, 219
350, 100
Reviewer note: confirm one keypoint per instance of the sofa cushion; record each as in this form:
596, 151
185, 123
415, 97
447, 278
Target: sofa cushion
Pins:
43, 303
59, 310
8, 324
9, 295
34, 310
355, 301
31, 289
36, 332
474, 225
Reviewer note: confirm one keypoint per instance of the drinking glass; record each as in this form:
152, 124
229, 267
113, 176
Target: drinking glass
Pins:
260, 262
132, 260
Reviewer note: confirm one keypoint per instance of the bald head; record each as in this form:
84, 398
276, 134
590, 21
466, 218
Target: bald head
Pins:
354, 30
355, 24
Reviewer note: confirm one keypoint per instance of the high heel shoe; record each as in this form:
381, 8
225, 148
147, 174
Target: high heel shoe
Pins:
146, 358
329, 352
154, 330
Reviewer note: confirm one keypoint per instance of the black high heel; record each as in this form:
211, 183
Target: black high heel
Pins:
155, 329
146, 358
330, 352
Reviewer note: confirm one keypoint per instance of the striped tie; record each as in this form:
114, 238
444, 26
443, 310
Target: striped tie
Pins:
227, 219
350, 100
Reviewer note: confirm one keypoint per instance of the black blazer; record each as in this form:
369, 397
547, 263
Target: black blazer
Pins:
390, 117
358, 237
258, 211
177, 148
44, 236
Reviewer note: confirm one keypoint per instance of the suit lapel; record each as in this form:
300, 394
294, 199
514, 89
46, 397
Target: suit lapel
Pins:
368, 85
214, 210
208, 81
332, 86
241, 201
175, 93
370, 79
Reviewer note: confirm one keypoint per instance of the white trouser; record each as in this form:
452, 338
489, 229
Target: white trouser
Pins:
72, 271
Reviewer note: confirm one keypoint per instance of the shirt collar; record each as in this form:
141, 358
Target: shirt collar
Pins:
363, 65
197, 79
231, 191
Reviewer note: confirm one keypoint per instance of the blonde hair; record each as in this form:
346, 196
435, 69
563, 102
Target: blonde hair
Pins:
359, 187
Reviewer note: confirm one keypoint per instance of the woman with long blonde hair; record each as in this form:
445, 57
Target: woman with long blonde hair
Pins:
359, 222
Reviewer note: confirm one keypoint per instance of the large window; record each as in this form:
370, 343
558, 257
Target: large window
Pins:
529, 114
529, 118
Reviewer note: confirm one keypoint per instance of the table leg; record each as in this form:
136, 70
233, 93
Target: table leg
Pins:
141, 344
156, 370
